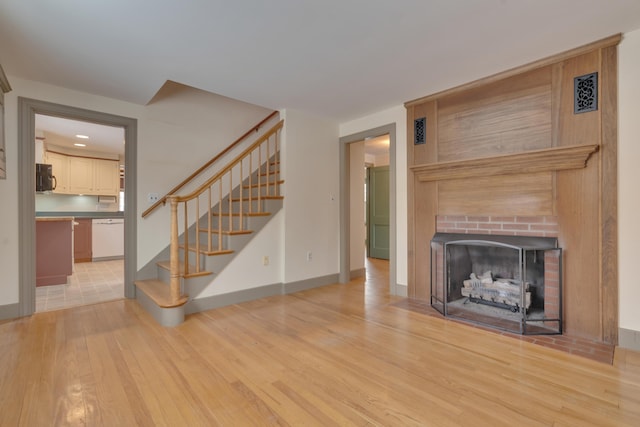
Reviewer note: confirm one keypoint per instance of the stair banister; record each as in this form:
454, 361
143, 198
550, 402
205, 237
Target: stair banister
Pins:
231, 164
174, 265
163, 200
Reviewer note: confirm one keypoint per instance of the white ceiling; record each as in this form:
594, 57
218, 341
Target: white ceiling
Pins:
62, 132
337, 58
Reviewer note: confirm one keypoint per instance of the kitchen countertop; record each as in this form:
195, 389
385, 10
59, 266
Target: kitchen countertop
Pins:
54, 218
90, 215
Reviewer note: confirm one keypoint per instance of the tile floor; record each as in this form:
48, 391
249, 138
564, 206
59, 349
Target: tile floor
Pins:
91, 282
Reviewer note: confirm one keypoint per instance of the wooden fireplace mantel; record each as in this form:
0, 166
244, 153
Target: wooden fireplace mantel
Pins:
546, 160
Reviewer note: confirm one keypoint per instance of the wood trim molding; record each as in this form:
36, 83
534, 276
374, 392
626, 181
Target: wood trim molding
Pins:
547, 160
600, 44
4, 82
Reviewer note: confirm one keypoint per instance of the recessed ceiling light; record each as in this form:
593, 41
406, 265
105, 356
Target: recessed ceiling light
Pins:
82, 136
79, 144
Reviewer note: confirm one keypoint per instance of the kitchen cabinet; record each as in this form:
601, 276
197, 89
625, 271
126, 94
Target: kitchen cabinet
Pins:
106, 177
54, 254
60, 167
82, 240
84, 175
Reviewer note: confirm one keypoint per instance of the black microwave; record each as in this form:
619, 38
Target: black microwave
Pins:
45, 181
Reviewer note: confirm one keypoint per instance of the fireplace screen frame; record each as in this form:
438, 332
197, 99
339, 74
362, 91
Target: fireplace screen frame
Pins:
534, 319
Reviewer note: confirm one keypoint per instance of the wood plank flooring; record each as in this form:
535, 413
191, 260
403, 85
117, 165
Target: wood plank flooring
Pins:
340, 355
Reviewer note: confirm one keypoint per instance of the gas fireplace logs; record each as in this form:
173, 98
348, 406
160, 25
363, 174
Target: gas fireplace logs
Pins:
505, 293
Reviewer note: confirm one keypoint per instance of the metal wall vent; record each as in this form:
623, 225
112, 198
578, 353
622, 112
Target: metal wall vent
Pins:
585, 93
420, 130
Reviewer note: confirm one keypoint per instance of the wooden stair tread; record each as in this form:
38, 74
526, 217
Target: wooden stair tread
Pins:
256, 199
264, 184
167, 266
226, 232
160, 293
204, 251
215, 214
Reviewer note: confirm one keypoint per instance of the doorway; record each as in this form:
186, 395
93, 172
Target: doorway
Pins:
85, 193
377, 209
346, 195
27, 110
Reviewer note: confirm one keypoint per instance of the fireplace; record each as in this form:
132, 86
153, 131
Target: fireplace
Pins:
511, 283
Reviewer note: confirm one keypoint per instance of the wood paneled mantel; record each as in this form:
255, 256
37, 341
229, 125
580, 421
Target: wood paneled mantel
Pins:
547, 160
513, 144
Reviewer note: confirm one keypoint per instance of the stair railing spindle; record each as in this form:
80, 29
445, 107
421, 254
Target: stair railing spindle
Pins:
209, 220
197, 227
250, 176
219, 214
186, 239
174, 262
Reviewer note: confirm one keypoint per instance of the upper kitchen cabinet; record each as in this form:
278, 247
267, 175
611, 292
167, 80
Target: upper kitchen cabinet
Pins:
107, 177
60, 167
84, 175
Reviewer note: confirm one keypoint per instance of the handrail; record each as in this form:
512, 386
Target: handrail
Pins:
163, 200
198, 191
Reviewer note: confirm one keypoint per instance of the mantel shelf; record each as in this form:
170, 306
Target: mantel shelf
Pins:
547, 160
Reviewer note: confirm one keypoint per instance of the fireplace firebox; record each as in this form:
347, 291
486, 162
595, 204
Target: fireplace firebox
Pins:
513, 283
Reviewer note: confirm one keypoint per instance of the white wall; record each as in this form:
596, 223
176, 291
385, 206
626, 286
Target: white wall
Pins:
247, 270
176, 134
357, 225
398, 116
629, 177
311, 190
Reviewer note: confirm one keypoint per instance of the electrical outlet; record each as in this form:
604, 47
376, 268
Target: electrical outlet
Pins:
265, 260
309, 256
152, 197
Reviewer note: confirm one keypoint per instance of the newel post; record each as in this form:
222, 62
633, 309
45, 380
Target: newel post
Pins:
174, 255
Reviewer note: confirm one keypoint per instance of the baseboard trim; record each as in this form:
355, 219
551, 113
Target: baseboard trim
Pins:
216, 301
356, 274
164, 316
316, 282
402, 290
629, 339
9, 311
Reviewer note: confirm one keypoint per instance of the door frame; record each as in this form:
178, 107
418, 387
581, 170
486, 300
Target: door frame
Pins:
27, 110
345, 238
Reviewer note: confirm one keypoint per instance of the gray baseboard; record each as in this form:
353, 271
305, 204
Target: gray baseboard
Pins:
355, 274
165, 316
216, 301
9, 311
402, 290
316, 282
629, 339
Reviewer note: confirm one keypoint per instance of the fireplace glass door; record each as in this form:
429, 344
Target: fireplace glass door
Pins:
511, 283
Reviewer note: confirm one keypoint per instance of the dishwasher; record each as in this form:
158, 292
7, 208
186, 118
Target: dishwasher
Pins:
107, 238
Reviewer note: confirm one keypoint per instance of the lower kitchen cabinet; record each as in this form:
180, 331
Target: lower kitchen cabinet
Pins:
54, 256
82, 240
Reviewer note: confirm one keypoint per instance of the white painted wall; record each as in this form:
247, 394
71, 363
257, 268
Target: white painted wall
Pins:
398, 116
247, 270
629, 177
357, 225
311, 189
176, 134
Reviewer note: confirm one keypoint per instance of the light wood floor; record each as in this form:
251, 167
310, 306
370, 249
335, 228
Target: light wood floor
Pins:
339, 355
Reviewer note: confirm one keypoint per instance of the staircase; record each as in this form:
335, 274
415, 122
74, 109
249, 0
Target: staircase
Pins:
211, 224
